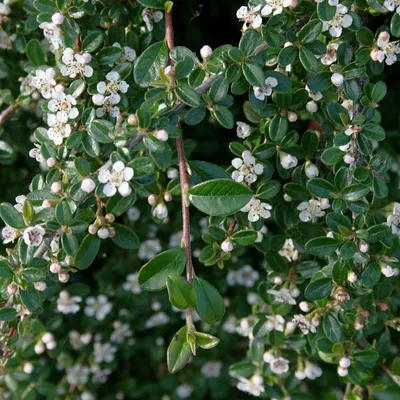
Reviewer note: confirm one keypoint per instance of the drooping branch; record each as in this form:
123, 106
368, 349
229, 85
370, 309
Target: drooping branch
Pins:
6, 114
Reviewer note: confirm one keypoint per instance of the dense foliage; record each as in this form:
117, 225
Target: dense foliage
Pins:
150, 253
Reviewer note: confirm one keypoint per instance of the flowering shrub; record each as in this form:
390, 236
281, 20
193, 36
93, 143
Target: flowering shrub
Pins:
122, 240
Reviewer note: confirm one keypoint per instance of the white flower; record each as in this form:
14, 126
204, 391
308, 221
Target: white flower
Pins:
393, 220
121, 332
287, 160
128, 54
282, 296
337, 79
4, 9
312, 371
157, 319
149, 249
212, 369
9, 234
243, 130
76, 64
256, 209
36, 154
247, 169
304, 324
113, 84
312, 209
311, 170
387, 270
133, 214
275, 7
253, 386
116, 179
6, 41
44, 82
250, 16
331, 54
289, 251
184, 391
226, 246
52, 33
103, 352
98, 307
261, 93
33, 235
338, 22
275, 323
230, 324
149, 16
88, 185
132, 284
160, 211
63, 105
67, 304
78, 374
99, 375
385, 50
245, 276
77, 340
392, 5
58, 129
206, 51
279, 365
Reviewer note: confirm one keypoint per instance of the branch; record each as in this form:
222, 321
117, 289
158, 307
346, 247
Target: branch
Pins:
183, 176
7, 113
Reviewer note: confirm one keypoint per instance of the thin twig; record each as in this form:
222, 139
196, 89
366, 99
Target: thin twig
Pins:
183, 176
7, 113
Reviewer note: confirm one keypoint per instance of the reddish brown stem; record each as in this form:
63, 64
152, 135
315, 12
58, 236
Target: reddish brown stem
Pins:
7, 113
184, 180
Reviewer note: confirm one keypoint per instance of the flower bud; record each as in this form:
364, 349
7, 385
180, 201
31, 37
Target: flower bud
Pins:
288, 44
226, 246
28, 368
92, 229
57, 18
312, 106
152, 199
287, 160
46, 203
352, 277
40, 286
337, 79
160, 211
304, 306
287, 198
345, 362
63, 276
348, 159
172, 173
55, 268
110, 218
47, 338
132, 120
383, 307
342, 371
12, 289
162, 134
374, 54
167, 197
205, 52
387, 270
51, 162
103, 233
359, 326
278, 280
311, 170
295, 292
88, 185
268, 357
300, 375
112, 232
364, 247
39, 348
51, 345
170, 71
56, 187
292, 116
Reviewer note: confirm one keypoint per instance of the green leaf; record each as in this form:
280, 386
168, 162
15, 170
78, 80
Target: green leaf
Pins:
320, 82
11, 216
219, 89
332, 156
31, 298
204, 171
35, 52
309, 143
371, 275
178, 352
7, 313
195, 115
395, 25
224, 116
336, 220
253, 74
125, 237
332, 328
220, 197
100, 130
322, 246
268, 190
188, 96
244, 238
210, 304
148, 65
373, 132
284, 83
309, 60
378, 92
278, 128
368, 356
160, 4
93, 41
287, 56
310, 31
181, 293
377, 233
321, 188
108, 55
318, 289
205, 340
154, 274
5, 269
87, 251
355, 192
325, 11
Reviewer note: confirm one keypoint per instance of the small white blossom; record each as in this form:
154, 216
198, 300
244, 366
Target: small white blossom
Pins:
58, 129
149, 249
311, 170
250, 16
121, 332
44, 82
312, 209
331, 54
261, 93
132, 284
63, 105
253, 386
304, 324
257, 210
78, 374
392, 5
275, 323
128, 54
184, 391
157, 319
160, 211
67, 304
316, 96
206, 52
52, 33
245, 276
282, 296
279, 365
116, 178
387, 271
9, 234
243, 130
337, 79
151, 16
275, 7
287, 160
312, 371
212, 369
104, 352
76, 64
289, 251
312, 106
393, 220
385, 50
247, 169
33, 235
98, 307
340, 20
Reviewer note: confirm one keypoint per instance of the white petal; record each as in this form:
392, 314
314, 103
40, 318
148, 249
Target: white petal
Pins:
109, 190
